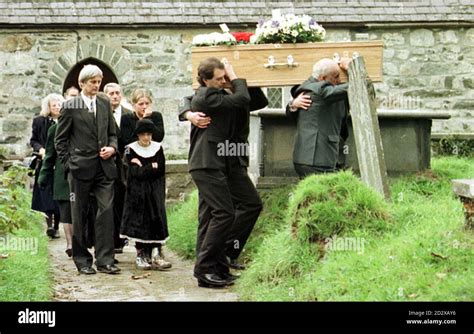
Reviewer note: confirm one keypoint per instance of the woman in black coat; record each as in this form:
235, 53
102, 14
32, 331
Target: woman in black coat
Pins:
43, 196
141, 101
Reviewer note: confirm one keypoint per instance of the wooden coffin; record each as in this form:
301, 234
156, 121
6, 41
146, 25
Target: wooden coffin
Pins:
251, 61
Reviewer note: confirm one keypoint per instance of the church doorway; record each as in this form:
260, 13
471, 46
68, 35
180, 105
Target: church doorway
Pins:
73, 75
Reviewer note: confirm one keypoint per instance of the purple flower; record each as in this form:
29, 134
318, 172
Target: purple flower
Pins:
275, 24
312, 22
260, 22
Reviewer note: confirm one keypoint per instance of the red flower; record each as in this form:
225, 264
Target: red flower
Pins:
242, 36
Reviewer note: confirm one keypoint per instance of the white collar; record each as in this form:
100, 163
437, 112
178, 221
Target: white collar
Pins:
118, 109
145, 152
87, 100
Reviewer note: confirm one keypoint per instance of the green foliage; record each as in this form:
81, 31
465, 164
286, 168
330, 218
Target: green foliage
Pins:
24, 274
15, 200
452, 145
424, 254
327, 205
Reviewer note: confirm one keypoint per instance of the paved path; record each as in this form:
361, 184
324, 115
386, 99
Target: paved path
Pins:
177, 284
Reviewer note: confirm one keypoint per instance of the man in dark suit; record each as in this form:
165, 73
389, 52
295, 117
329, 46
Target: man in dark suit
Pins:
229, 204
114, 92
320, 110
86, 142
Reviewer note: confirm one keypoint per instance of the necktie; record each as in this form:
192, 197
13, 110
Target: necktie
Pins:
92, 108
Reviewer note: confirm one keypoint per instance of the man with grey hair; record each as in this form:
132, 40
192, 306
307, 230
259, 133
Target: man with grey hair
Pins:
85, 142
114, 92
320, 111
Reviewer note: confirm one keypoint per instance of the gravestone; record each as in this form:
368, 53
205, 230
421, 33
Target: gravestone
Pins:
366, 129
464, 189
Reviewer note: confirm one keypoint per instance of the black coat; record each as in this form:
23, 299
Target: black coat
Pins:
144, 214
79, 138
42, 199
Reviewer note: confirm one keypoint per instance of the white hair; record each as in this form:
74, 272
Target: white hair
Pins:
324, 67
88, 72
112, 85
45, 103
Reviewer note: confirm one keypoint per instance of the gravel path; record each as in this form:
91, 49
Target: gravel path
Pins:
177, 284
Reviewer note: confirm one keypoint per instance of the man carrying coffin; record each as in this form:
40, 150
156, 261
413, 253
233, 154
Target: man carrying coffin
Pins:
229, 204
320, 109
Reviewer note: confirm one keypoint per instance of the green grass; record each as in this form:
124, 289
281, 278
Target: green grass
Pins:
25, 272
424, 253
25, 276
415, 248
183, 222
182, 225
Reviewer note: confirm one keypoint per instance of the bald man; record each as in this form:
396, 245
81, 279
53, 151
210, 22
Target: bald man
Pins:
320, 110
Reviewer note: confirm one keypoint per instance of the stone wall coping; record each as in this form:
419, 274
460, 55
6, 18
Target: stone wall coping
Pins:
176, 166
382, 113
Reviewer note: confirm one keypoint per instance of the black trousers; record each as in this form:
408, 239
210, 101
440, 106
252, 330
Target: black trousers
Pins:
102, 188
119, 197
305, 170
229, 206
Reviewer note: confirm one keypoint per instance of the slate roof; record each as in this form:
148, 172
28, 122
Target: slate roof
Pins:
198, 13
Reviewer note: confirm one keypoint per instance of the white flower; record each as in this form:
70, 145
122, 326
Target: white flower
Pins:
288, 28
214, 38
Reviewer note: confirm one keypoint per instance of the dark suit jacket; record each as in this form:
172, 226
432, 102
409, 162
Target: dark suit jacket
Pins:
79, 138
319, 127
118, 130
230, 122
127, 128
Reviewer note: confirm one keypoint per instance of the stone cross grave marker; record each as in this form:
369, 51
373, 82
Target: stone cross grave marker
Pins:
366, 128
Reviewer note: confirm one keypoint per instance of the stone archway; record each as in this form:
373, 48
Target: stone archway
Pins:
73, 75
100, 54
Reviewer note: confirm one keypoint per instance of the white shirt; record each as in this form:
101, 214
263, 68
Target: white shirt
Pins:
118, 115
88, 102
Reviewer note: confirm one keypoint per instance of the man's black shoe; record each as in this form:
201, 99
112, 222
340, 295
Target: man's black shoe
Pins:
108, 269
232, 263
50, 232
212, 281
115, 262
87, 271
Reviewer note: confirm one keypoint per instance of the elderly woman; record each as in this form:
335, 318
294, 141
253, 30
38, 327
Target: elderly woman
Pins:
43, 196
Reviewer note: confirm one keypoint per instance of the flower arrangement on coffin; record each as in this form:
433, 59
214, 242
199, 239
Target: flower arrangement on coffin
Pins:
215, 38
289, 29
243, 37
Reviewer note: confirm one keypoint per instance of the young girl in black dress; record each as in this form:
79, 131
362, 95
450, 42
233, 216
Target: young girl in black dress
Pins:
144, 216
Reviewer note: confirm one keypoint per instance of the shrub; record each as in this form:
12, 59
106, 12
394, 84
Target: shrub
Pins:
15, 201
